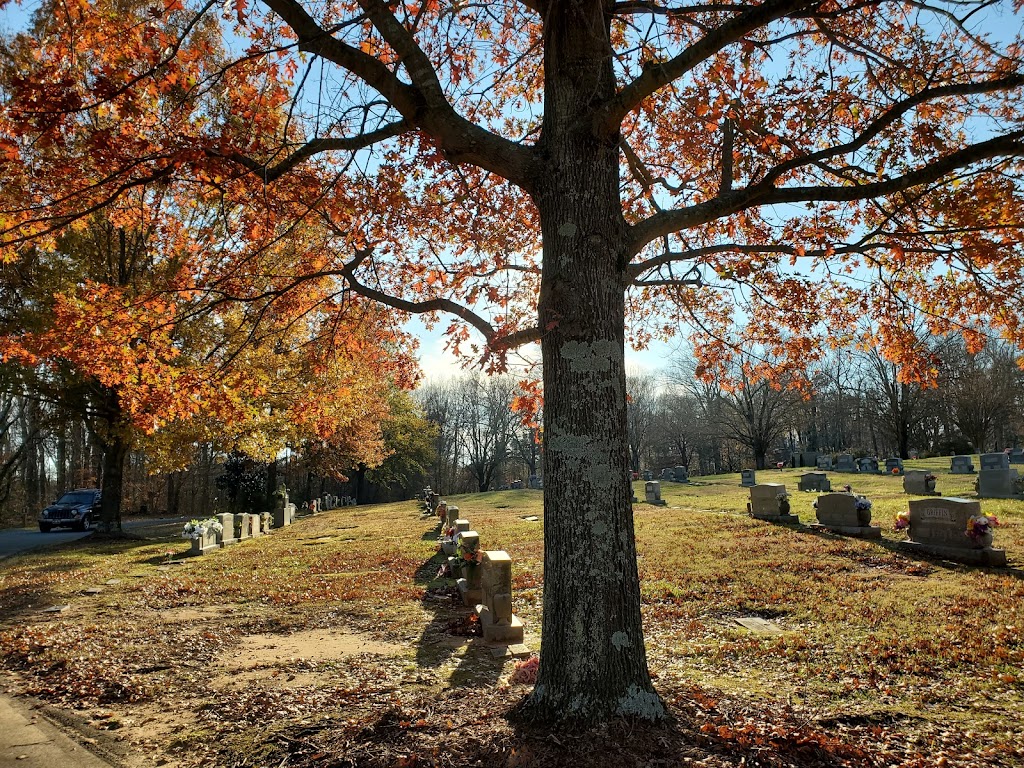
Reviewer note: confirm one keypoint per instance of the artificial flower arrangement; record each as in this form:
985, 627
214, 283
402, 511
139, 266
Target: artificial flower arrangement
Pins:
470, 557
980, 525
902, 520
863, 503
197, 529
446, 541
895, 470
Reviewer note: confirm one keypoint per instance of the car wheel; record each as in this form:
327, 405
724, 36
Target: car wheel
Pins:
45, 527
82, 525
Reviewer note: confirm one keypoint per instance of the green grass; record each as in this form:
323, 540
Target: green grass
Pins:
869, 635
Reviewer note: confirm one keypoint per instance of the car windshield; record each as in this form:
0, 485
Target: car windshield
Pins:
77, 497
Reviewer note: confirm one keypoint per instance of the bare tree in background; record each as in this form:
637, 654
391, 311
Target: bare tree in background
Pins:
641, 410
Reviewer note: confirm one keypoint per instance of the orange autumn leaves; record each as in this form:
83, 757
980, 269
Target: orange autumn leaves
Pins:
123, 344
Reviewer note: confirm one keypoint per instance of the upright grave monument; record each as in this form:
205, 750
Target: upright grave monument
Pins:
652, 493
961, 465
769, 501
919, 482
814, 481
497, 621
894, 466
949, 527
846, 463
868, 465
996, 480
747, 478
846, 514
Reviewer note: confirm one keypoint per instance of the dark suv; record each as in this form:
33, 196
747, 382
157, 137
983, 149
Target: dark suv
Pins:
75, 509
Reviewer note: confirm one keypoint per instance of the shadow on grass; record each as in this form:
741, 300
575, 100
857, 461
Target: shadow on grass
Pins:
452, 627
934, 562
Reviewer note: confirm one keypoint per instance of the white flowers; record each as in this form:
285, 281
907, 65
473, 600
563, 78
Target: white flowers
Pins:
197, 529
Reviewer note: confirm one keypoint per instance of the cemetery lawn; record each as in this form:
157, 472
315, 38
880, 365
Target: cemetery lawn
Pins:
332, 642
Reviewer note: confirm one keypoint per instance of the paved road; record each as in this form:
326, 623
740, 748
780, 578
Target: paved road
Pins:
15, 540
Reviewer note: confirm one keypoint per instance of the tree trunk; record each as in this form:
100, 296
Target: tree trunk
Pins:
358, 483
174, 494
115, 452
593, 663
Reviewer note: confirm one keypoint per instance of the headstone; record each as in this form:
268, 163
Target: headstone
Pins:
995, 461
919, 482
846, 463
206, 542
997, 483
452, 516
839, 513
227, 535
647, 475
242, 524
282, 516
868, 464
938, 526
894, 463
961, 465
497, 621
536, 483
461, 525
1017, 456
469, 578
667, 474
747, 479
652, 493
809, 459
265, 522
681, 474
769, 501
814, 481
823, 462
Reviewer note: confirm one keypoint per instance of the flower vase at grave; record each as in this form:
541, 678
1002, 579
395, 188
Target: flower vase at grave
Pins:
982, 541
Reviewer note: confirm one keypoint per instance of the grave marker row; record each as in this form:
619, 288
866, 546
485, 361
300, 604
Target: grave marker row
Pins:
483, 578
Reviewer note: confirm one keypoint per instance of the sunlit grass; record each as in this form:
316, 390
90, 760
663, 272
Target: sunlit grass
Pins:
864, 628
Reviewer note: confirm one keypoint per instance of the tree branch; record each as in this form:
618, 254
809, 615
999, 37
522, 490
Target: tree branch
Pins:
423, 103
440, 304
657, 76
270, 173
765, 193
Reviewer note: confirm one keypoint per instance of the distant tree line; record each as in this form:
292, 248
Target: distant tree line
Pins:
854, 401
480, 442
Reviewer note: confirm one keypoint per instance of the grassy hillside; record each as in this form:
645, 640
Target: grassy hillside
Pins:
335, 638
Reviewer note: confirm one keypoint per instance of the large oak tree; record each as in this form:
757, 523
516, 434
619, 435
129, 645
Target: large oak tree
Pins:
536, 168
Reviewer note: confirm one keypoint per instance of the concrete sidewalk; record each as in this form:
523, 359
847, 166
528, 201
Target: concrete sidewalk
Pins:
29, 740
